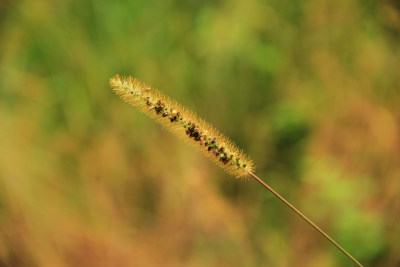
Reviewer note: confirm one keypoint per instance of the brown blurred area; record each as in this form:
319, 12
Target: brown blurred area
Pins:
309, 89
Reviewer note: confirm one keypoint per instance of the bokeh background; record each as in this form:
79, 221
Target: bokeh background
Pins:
309, 89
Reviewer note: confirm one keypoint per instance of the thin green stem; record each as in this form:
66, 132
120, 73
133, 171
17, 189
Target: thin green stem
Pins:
306, 219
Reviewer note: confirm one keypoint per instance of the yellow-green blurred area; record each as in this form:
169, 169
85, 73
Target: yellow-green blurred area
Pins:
309, 89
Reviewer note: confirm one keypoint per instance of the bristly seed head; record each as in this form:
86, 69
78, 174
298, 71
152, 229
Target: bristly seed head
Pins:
184, 123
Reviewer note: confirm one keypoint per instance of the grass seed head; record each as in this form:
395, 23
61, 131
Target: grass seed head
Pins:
184, 123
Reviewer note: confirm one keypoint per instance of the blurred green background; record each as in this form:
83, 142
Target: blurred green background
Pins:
309, 89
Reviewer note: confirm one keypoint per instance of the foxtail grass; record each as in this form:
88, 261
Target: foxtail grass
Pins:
200, 134
185, 124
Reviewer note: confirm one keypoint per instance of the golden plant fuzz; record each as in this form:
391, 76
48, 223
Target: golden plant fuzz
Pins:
184, 123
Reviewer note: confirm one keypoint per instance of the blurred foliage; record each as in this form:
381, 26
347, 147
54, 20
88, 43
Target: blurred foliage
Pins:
310, 89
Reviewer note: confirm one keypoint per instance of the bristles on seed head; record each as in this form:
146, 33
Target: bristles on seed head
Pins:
184, 123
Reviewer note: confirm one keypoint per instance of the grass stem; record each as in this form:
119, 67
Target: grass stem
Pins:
330, 239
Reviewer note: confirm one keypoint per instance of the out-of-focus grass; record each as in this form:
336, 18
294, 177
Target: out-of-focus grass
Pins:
310, 89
